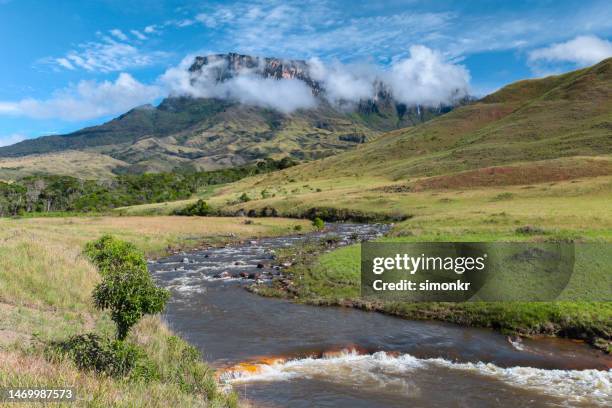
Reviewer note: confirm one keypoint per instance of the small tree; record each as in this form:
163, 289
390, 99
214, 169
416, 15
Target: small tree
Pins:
114, 255
127, 288
318, 223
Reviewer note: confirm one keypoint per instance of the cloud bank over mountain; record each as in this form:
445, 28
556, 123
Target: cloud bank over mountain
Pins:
424, 78
86, 100
285, 95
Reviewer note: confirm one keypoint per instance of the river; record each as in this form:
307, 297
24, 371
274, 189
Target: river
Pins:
276, 353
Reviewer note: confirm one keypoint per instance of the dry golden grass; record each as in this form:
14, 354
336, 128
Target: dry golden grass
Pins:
87, 165
152, 234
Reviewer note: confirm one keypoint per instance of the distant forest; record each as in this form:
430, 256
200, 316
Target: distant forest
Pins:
52, 193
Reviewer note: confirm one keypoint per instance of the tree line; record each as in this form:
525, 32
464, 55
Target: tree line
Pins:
53, 193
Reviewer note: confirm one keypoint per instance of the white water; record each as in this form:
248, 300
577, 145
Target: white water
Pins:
394, 373
425, 364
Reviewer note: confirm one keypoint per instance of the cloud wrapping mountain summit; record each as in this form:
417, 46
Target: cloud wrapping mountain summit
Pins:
424, 78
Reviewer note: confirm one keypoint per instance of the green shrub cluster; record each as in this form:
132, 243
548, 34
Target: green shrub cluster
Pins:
331, 214
199, 208
127, 288
114, 358
318, 223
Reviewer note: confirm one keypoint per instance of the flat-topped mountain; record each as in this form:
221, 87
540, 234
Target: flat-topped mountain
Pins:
213, 131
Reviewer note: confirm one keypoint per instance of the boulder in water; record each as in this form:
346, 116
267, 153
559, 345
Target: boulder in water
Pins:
254, 275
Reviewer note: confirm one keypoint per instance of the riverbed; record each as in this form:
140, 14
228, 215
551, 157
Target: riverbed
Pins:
278, 353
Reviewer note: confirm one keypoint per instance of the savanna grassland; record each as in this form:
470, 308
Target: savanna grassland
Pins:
45, 295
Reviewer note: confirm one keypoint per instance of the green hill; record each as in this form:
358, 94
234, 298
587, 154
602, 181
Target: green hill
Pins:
557, 129
213, 133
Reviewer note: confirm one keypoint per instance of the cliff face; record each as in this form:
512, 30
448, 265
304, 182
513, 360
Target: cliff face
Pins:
226, 66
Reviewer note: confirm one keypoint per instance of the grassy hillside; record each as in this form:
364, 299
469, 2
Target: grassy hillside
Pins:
555, 129
531, 162
87, 165
45, 295
208, 134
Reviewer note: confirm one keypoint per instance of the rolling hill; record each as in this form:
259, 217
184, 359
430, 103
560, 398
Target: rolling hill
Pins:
214, 132
552, 130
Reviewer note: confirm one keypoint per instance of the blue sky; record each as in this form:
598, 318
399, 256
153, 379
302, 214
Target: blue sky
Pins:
69, 64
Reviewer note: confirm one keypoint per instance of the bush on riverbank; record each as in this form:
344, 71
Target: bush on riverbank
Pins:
127, 288
114, 358
45, 298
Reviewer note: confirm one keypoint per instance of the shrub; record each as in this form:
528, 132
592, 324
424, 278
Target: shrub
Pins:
126, 288
114, 358
244, 198
111, 255
199, 208
297, 228
318, 223
530, 230
332, 214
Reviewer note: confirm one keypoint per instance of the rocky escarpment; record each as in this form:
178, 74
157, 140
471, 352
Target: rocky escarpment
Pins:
222, 67
226, 66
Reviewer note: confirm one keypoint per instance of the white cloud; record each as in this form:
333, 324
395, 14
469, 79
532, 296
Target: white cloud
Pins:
150, 29
582, 51
119, 34
285, 95
65, 63
86, 100
216, 18
287, 28
426, 79
186, 22
11, 139
344, 83
138, 35
108, 54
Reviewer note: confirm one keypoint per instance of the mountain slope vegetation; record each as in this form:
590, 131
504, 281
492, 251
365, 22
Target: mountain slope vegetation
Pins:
553, 129
212, 132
